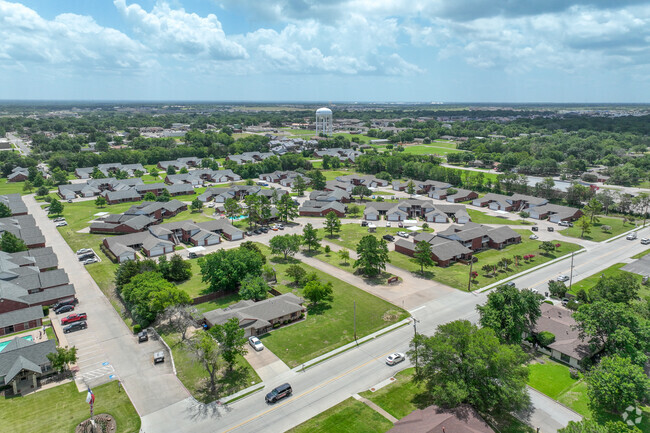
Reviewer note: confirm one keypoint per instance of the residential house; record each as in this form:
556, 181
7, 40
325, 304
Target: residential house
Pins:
462, 195
555, 213
249, 157
18, 174
421, 187
367, 180
443, 251
23, 363
462, 419
21, 320
336, 195
258, 318
188, 162
322, 208
25, 228
15, 204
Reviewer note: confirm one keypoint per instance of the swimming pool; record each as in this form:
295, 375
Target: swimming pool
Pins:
5, 343
240, 217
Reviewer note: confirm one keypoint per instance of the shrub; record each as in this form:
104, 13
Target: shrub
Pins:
327, 249
276, 325
548, 302
606, 228
575, 374
46, 310
137, 328
545, 338
573, 305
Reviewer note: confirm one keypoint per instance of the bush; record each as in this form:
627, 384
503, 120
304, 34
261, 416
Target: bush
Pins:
47, 198
276, 325
606, 228
46, 310
545, 338
548, 302
575, 374
327, 249
573, 305
137, 328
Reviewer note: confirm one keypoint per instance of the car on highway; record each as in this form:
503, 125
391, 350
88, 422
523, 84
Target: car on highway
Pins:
395, 358
64, 309
255, 343
61, 224
563, 278
389, 238
645, 241
90, 261
71, 318
533, 237
631, 236
278, 393
84, 251
75, 327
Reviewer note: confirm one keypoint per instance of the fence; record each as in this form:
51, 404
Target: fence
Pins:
211, 297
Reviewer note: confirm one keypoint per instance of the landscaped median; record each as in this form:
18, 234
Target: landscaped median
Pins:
61, 408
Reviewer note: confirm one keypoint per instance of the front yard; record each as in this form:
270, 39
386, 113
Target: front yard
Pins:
613, 270
479, 217
348, 416
61, 408
457, 274
597, 234
328, 327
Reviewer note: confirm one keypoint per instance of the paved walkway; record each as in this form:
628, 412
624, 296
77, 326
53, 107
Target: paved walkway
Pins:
376, 408
267, 365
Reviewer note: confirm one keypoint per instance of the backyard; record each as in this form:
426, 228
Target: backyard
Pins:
348, 416
597, 234
351, 234
61, 408
328, 327
457, 274
11, 187
589, 282
483, 218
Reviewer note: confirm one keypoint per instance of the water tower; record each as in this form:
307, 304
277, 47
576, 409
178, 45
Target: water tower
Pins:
324, 121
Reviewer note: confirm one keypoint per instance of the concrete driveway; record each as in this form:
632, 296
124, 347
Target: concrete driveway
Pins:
267, 365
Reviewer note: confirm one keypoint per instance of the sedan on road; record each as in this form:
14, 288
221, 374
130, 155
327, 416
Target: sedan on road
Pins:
563, 278
645, 241
255, 343
395, 358
73, 318
75, 327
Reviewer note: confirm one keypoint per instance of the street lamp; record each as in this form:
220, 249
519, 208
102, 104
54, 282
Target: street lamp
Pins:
415, 330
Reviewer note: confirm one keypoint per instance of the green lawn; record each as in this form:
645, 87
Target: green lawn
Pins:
483, 218
325, 329
641, 254
11, 187
348, 416
333, 174
430, 149
456, 275
550, 378
194, 286
351, 234
218, 303
61, 408
589, 282
194, 376
597, 234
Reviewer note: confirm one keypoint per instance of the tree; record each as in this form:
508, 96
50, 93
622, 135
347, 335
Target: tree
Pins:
42, 191
584, 225
614, 329
100, 201
318, 181
296, 273
462, 363
547, 247
150, 196
196, 205
510, 312
288, 245
254, 287
353, 209
207, 352
332, 223
425, 226
310, 237
171, 169
232, 208
592, 209
622, 287
584, 426
606, 198
523, 215
505, 263
164, 196
488, 269
223, 270
148, 294
97, 174
410, 188
372, 256
287, 209
252, 246
362, 191
422, 255
9, 243
154, 172
616, 383
316, 291
557, 288
27, 186
642, 202
5, 211
62, 357
177, 269
56, 207
231, 339
179, 319
299, 185
253, 203
344, 255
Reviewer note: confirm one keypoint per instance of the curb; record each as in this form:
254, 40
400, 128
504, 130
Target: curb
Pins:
636, 229
171, 356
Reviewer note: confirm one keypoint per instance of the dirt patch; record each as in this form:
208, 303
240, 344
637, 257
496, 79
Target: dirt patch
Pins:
104, 423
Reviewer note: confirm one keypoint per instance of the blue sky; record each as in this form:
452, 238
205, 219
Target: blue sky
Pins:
329, 50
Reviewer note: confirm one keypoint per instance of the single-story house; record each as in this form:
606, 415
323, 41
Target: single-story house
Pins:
21, 320
18, 174
322, 208
555, 213
462, 195
462, 419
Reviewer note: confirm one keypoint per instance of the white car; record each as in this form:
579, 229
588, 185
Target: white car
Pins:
387, 223
645, 241
61, 224
84, 251
395, 358
255, 343
403, 234
533, 237
563, 278
631, 236
89, 261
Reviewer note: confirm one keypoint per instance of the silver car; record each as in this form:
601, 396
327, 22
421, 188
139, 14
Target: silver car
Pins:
395, 358
563, 278
255, 343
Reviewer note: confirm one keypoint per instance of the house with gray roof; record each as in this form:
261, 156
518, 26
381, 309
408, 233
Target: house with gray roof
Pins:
258, 318
15, 204
555, 213
24, 362
322, 208
25, 228
21, 320
18, 174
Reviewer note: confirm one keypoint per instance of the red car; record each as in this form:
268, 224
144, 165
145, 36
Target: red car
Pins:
73, 318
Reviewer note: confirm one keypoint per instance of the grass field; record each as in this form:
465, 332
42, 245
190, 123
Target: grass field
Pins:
589, 282
195, 378
597, 234
333, 174
61, 408
11, 187
326, 328
351, 234
483, 218
348, 416
457, 274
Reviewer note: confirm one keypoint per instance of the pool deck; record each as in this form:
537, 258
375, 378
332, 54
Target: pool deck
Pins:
37, 334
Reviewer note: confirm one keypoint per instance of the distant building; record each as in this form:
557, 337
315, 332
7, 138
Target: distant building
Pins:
324, 123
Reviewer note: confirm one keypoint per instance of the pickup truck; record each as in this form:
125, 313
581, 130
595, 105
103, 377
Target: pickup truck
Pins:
75, 317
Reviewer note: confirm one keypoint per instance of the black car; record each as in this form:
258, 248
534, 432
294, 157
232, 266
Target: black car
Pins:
58, 305
265, 229
75, 326
389, 238
550, 229
249, 233
86, 257
143, 336
64, 309
364, 223
257, 231
279, 393
534, 228
192, 255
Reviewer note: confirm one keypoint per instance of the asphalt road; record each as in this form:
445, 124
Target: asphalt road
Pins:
22, 147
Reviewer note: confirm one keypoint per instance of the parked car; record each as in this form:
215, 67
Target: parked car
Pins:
158, 357
84, 251
86, 257
192, 255
389, 238
563, 278
281, 226
90, 261
143, 336
395, 358
510, 284
61, 224
550, 229
565, 301
403, 234
264, 229
58, 305
645, 241
631, 236
534, 228
255, 343
400, 224
75, 327
278, 393
387, 223
274, 228
56, 220
364, 223
248, 233
64, 309
69, 200
533, 237
257, 231
73, 318
565, 224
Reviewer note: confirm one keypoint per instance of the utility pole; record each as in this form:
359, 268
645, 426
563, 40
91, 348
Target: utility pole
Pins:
355, 322
571, 272
469, 281
415, 330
